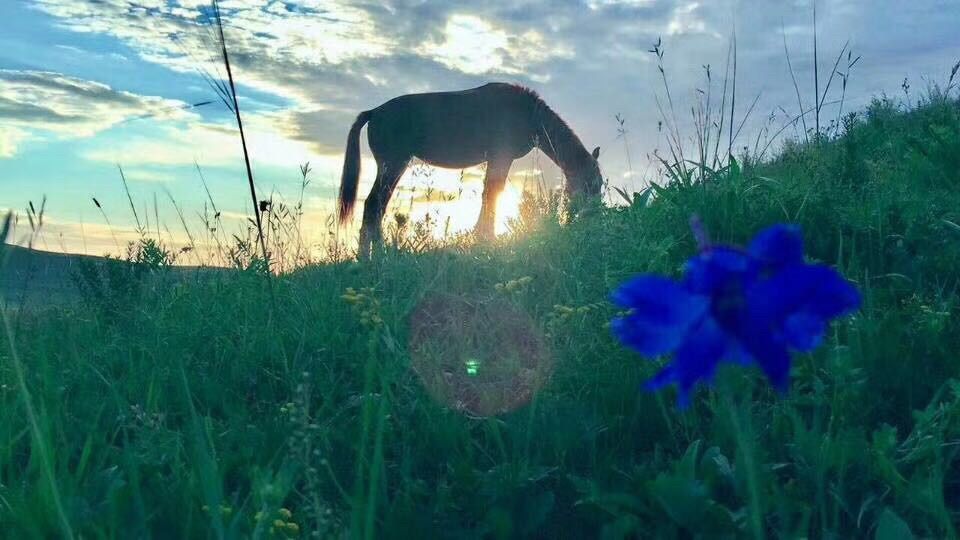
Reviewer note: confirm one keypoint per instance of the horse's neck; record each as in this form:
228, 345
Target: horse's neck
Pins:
557, 140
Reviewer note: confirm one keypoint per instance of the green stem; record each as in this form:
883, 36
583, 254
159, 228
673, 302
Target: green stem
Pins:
359, 514
375, 468
743, 434
38, 441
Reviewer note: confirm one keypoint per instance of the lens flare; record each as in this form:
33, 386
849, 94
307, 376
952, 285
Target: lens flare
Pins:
482, 357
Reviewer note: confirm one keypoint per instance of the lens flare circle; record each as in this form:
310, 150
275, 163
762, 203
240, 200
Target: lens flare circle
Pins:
482, 357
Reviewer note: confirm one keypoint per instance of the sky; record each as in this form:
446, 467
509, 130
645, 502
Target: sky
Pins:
88, 87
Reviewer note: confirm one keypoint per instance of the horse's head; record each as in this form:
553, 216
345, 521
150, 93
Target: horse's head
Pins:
586, 180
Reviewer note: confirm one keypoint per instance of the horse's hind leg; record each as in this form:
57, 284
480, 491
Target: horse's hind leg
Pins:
496, 179
371, 229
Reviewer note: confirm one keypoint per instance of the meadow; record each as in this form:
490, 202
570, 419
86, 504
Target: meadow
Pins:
283, 404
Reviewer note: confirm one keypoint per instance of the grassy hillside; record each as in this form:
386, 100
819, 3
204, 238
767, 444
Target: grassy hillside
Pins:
38, 275
245, 406
31, 278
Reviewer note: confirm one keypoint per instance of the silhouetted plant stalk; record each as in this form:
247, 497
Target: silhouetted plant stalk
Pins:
35, 220
229, 95
192, 246
816, 72
796, 86
622, 134
820, 98
710, 123
126, 188
733, 96
715, 119
106, 220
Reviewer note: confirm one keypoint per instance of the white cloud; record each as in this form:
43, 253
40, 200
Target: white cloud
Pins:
148, 176
473, 45
597, 4
213, 144
10, 140
263, 36
686, 20
38, 103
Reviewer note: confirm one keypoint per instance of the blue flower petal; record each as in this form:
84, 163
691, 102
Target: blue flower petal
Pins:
736, 353
831, 295
814, 289
695, 360
661, 313
648, 339
778, 246
660, 301
804, 331
771, 354
716, 268
739, 306
663, 378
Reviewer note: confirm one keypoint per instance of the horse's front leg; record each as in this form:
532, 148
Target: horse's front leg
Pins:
493, 183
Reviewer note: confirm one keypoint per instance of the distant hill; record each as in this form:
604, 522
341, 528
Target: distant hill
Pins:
43, 277
40, 274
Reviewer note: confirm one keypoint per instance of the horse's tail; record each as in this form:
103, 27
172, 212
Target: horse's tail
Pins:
351, 168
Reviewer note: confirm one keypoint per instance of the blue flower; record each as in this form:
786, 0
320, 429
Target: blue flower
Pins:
747, 306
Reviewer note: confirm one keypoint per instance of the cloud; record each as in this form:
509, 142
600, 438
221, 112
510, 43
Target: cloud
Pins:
214, 144
265, 38
330, 59
10, 139
686, 19
148, 176
475, 46
349, 56
170, 145
38, 103
322, 129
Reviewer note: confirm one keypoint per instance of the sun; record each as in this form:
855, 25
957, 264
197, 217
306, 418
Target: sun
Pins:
460, 214
508, 207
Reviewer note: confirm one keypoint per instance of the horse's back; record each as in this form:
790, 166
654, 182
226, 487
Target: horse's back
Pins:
455, 128
489, 91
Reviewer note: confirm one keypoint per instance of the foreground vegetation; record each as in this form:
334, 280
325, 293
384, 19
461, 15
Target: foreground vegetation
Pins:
237, 405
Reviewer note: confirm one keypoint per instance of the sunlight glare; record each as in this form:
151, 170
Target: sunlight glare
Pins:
508, 207
470, 44
461, 213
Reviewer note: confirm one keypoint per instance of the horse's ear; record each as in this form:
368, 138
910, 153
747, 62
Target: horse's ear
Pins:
596, 153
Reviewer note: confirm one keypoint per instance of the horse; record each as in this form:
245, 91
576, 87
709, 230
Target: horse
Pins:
495, 123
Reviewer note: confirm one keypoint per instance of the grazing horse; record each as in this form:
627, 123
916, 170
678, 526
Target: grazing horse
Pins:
495, 123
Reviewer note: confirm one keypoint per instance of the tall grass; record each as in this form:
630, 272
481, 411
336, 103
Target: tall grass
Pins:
226, 414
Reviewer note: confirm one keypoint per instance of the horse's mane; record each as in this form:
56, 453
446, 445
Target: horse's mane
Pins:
560, 133
525, 90
539, 105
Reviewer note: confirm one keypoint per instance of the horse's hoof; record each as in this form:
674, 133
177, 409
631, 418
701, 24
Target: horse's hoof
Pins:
483, 235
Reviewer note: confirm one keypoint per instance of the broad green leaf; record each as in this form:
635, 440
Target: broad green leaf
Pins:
890, 526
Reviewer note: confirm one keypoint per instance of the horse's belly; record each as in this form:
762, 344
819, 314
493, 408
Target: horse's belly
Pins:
462, 152
453, 158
